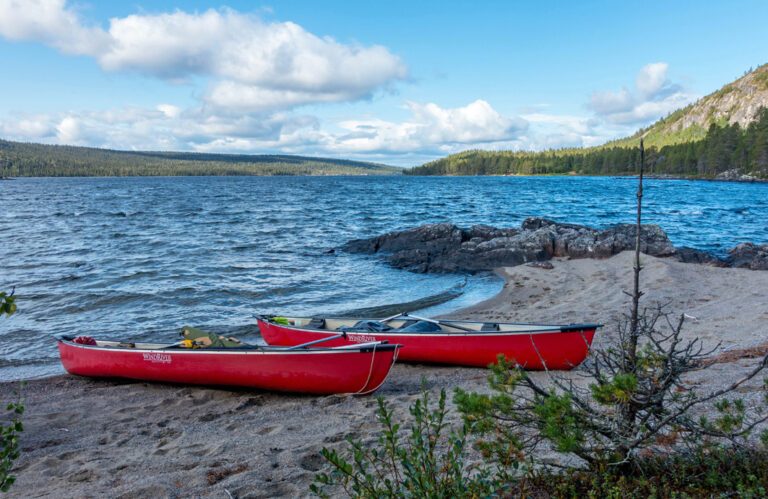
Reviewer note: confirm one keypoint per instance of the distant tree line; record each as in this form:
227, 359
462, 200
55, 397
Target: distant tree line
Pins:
724, 147
18, 159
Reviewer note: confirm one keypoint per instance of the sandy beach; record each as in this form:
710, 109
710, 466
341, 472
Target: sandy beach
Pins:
96, 438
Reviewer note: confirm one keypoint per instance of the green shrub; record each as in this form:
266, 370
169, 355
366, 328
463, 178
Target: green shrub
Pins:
7, 305
9, 443
700, 472
9, 435
428, 463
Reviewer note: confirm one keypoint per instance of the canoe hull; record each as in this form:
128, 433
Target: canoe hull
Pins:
533, 350
318, 371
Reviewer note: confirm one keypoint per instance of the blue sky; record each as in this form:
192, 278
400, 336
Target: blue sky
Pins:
394, 82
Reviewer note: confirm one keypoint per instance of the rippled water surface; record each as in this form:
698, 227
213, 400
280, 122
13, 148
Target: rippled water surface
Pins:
137, 258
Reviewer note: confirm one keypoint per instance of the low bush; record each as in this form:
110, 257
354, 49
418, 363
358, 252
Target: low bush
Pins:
9, 443
702, 472
429, 463
9, 435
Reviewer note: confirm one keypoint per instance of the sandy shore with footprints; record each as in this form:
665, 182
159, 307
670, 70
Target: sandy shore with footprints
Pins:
95, 438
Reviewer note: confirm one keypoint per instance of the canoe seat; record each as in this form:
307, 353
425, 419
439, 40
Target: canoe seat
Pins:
317, 323
490, 326
204, 339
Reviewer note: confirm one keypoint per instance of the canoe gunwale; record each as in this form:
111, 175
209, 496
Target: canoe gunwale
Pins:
394, 332
251, 350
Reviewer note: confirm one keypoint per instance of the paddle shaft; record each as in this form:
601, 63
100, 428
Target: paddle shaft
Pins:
335, 337
362, 345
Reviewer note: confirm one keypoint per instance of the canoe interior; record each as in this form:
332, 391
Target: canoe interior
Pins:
332, 324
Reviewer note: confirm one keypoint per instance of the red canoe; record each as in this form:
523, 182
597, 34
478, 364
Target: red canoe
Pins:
357, 369
465, 343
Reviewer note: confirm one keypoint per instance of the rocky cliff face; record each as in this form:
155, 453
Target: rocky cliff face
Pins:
738, 102
447, 248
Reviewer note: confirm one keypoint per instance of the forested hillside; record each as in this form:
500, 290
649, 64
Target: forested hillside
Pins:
738, 102
19, 159
726, 130
724, 147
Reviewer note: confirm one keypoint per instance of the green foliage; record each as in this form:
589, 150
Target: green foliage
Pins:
497, 419
19, 159
636, 401
762, 79
428, 464
9, 443
700, 472
560, 422
616, 390
693, 152
9, 435
7, 305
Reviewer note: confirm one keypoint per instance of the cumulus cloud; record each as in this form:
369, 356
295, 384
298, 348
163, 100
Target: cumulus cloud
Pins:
50, 22
652, 78
566, 124
431, 127
249, 98
654, 96
277, 65
28, 127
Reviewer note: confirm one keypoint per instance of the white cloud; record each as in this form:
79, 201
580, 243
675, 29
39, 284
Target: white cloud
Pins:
247, 98
607, 102
431, 127
277, 64
69, 131
28, 127
169, 110
565, 123
652, 77
655, 96
50, 22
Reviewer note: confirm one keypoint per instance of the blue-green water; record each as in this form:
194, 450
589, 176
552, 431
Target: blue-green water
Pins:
138, 258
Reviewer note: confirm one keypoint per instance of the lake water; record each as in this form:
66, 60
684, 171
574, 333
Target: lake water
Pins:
137, 258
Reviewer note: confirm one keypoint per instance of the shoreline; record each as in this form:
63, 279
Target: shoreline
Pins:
653, 176
473, 289
131, 438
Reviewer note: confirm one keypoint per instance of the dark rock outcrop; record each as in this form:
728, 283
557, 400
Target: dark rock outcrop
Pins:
749, 256
446, 248
692, 255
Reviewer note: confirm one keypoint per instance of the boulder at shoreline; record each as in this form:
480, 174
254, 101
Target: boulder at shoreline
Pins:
444, 247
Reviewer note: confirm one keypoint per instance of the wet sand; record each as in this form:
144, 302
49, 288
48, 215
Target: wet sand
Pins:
99, 438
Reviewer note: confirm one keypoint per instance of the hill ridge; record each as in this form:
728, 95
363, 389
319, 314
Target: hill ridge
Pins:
24, 159
738, 102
